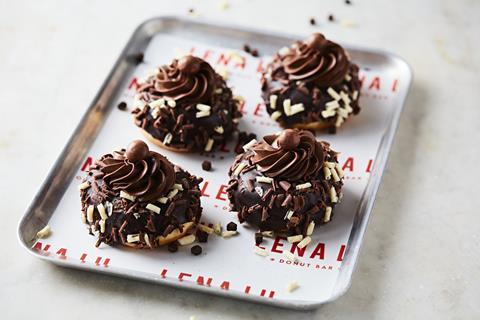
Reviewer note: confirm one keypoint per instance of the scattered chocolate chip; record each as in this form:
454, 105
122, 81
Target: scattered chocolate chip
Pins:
191, 10
246, 48
331, 17
196, 250
202, 236
122, 106
206, 165
258, 238
313, 22
348, 2
172, 247
254, 53
232, 226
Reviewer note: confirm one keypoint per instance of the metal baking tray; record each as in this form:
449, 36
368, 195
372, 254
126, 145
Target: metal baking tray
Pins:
228, 267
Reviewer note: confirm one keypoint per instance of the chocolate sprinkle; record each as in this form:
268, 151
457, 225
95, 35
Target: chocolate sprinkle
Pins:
122, 106
232, 226
331, 18
196, 250
312, 21
206, 165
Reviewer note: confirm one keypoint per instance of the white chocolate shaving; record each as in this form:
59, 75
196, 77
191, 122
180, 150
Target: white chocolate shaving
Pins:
157, 103
328, 113
273, 101
290, 256
335, 176
172, 193
239, 168
204, 228
355, 95
44, 232
329, 164
101, 223
101, 210
328, 213
168, 138
163, 200
347, 77
339, 170
218, 129
260, 251
228, 234
84, 185
203, 107
327, 173
284, 51
177, 186
153, 208
275, 115
185, 241
345, 97
302, 244
171, 103
305, 185
136, 215
292, 286
332, 105
269, 234
127, 196
342, 112
147, 240
84, 218
334, 94
133, 238
202, 114
287, 105
264, 179
209, 145
217, 228
296, 108
333, 195
289, 214
155, 113
339, 122
259, 190
109, 207
310, 228
90, 210
294, 239
250, 144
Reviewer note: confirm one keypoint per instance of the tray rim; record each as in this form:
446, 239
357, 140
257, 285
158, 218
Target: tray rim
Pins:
373, 184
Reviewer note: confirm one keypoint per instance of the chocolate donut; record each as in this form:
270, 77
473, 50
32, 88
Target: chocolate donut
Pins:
286, 183
186, 106
138, 198
311, 85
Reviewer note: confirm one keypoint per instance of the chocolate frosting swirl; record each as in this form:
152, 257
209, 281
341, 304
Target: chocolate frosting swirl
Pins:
138, 171
316, 59
293, 155
187, 79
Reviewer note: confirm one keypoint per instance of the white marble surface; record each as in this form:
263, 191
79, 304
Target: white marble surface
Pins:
421, 256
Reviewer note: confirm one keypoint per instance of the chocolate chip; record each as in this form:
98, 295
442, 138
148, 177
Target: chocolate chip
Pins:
331, 17
246, 48
348, 2
313, 22
254, 53
232, 226
202, 236
122, 106
172, 247
258, 238
196, 250
191, 10
206, 165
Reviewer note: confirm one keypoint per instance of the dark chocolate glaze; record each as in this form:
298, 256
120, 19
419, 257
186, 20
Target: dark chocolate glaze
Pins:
132, 217
303, 74
189, 82
266, 205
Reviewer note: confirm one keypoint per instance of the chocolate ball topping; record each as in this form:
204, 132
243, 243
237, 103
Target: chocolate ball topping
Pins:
137, 150
288, 139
